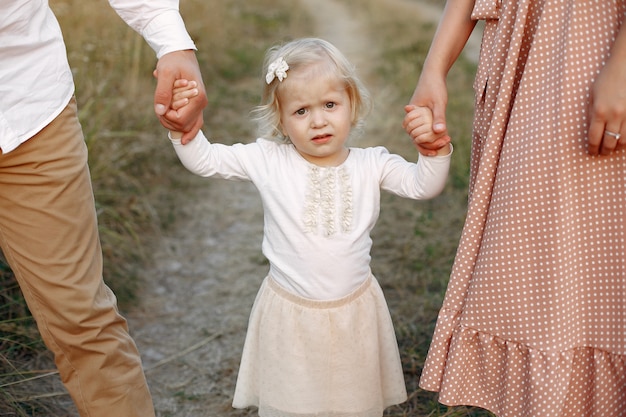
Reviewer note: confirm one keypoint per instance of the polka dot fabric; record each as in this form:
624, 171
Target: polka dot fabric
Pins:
534, 319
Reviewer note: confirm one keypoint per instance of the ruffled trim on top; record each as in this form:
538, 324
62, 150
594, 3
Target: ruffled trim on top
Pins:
328, 205
474, 368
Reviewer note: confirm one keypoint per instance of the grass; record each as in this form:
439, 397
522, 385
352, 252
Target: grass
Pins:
138, 182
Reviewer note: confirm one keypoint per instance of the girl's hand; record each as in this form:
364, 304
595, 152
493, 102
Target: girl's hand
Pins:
183, 91
418, 123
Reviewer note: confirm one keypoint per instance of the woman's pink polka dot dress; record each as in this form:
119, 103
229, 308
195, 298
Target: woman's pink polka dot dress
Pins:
534, 319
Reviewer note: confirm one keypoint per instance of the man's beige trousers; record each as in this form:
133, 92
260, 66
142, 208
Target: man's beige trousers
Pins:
49, 235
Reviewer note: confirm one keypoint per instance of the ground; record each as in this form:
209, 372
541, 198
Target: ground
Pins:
191, 319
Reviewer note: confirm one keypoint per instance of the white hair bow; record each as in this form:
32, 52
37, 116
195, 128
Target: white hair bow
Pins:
277, 69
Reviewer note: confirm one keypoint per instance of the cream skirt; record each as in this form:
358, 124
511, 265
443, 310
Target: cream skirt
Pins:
310, 358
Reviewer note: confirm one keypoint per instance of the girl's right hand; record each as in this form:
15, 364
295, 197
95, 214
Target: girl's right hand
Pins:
183, 91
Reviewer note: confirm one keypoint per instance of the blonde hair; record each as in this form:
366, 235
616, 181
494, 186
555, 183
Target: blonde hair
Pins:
297, 54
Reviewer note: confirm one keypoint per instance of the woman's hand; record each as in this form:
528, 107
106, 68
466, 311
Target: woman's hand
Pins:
432, 95
607, 109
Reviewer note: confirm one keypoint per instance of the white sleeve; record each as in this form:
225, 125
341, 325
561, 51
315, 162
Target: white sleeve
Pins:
214, 159
422, 180
158, 21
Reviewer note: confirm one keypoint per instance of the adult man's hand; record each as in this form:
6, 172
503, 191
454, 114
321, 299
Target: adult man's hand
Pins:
188, 119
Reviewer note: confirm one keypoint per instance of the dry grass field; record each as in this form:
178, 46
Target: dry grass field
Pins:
146, 201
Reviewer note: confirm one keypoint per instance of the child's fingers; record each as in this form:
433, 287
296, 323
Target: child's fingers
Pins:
415, 126
181, 82
418, 123
178, 94
421, 132
191, 86
412, 121
184, 88
429, 139
177, 104
183, 91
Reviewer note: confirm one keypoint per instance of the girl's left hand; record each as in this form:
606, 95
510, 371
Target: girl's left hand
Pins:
418, 123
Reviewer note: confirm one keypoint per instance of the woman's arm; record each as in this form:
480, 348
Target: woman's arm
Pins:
453, 31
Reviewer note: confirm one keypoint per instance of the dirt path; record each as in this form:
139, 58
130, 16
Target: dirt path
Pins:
190, 325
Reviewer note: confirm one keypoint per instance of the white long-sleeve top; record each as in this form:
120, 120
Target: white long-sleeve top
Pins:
317, 220
35, 78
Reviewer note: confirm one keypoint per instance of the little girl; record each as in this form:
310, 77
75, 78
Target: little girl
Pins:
320, 339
